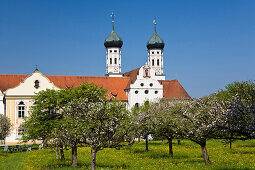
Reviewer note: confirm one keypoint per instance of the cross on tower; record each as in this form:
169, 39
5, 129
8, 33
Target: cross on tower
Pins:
36, 67
112, 16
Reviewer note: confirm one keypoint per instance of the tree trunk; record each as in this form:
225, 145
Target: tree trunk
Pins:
170, 142
93, 158
146, 141
57, 152
179, 142
44, 143
74, 155
163, 141
62, 152
205, 155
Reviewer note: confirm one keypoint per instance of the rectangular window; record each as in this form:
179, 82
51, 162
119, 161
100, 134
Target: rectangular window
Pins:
110, 60
152, 62
110, 51
20, 131
115, 51
152, 52
158, 62
157, 52
115, 60
21, 111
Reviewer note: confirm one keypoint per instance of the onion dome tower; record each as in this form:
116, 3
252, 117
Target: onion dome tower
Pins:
113, 44
155, 47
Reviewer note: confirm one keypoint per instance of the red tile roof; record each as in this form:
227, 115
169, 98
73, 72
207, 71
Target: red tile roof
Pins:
114, 85
172, 89
10, 80
132, 74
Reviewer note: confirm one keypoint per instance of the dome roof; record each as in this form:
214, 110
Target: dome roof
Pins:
155, 42
113, 40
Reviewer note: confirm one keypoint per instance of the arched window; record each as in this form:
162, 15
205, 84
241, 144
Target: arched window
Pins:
37, 84
146, 73
110, 60
137, 105
21, 110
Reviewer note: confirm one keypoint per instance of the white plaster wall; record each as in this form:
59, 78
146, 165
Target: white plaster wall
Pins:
27, 88
14, 137
113, 55
141, 96
156, 54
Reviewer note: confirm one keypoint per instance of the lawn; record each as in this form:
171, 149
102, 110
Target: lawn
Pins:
186, 156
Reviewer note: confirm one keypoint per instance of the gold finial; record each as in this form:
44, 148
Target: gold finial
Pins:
112, 16
154, 21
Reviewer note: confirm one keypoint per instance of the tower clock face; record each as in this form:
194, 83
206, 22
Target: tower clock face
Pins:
116, 69
157, 71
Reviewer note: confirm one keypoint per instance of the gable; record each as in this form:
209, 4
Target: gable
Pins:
30, 85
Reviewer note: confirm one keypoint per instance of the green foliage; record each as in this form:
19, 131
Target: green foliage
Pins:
165, 118
43, 118
239, 101
79, 116
244, 89
200, 119
5, 126
142, 118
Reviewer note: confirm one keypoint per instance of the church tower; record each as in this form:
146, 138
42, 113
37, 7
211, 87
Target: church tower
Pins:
113, 44
155, 47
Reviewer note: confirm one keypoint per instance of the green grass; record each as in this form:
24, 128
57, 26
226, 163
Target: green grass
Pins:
186, 156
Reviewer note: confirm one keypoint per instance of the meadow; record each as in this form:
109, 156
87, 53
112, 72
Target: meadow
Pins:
186, 156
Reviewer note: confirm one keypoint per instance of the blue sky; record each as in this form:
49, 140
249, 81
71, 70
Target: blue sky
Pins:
208, 43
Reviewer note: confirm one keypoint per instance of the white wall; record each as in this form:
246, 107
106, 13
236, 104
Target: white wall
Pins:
137, 91
112, 53
156, 55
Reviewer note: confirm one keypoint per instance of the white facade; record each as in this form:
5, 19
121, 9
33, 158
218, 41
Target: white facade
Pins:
155, 61
28, 87
20, 100
113, 62
146, 87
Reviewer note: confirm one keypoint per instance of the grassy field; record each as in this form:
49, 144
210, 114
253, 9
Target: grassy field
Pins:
186, 156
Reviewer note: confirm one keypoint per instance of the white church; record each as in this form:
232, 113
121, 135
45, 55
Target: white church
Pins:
133, 87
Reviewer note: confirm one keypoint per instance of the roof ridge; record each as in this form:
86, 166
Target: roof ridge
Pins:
14, 74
